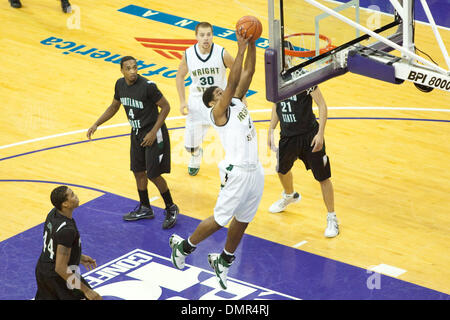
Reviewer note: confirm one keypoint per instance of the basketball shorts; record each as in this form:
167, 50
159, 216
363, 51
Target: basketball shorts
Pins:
197, 123
241, 193
299, 147
154, 159
53, 287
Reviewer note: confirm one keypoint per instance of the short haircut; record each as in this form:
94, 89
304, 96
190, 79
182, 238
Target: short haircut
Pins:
208, 95
124, 59
203, 24
58, 196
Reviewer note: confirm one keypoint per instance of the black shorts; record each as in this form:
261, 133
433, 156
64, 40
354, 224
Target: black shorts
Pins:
299, 147
154, 159
53, 287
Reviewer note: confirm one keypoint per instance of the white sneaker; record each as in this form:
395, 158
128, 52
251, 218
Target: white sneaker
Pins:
332, 229
194, 163
178, 256
285, 200
221, 268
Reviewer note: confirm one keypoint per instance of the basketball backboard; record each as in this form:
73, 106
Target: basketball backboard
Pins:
329, 38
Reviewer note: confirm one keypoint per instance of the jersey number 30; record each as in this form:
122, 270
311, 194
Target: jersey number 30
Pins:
207, 81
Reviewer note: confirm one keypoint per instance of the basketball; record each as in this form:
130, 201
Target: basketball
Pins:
251, 25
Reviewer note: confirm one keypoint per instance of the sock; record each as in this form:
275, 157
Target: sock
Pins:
188, 247
143, 197
228, 257
290, 194
196, 152
167, 198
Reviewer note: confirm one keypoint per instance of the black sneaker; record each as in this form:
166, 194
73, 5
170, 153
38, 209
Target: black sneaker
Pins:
15, 3
171, 216
140, 212
65, 5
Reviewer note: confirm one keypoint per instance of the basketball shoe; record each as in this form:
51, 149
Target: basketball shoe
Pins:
65, 6
15, 3
140, 212
285, 200
220, 267
178, 255
332, 229
194, 163
171, 216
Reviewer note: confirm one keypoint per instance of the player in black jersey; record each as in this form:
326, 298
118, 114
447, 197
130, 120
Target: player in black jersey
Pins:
302, 137
57, 271
150, 144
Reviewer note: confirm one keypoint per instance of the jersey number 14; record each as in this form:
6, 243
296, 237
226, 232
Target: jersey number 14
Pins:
48, 246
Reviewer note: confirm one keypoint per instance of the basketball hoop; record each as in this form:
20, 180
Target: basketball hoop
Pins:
307, 40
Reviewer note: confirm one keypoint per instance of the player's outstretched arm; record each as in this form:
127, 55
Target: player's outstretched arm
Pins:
248, 72
108, 114
233, 79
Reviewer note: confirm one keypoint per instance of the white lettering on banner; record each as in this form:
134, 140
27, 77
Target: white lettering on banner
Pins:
149, 13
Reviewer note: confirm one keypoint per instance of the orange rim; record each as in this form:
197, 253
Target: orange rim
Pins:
308, 53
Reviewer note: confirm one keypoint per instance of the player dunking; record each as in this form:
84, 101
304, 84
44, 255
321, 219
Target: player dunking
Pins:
57, 271
206, 63
243, 175
150, 144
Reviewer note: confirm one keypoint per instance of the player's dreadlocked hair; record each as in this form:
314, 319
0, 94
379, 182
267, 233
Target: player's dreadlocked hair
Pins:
208, 95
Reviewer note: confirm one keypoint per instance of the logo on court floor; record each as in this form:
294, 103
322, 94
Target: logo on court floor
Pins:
169, 48
142, 275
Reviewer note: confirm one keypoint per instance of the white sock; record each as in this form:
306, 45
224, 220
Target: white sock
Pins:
189, 242
227, 253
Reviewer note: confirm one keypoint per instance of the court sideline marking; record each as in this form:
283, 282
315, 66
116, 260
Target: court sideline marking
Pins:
182, 117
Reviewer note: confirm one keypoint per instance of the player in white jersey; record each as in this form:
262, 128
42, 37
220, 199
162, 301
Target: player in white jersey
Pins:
243, 175
206, 63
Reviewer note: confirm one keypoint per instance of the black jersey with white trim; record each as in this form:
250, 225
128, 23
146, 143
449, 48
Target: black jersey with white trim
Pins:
296, 115
140, 102
59, 230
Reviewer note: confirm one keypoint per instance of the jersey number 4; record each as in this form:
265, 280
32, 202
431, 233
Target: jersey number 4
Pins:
48, 246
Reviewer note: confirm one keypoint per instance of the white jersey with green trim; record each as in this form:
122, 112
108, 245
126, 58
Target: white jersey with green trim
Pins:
206, 70
238, 135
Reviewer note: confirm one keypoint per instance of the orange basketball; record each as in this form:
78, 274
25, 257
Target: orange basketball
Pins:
250, 24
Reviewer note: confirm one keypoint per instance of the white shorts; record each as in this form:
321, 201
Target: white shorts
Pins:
197, 123
242, 189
